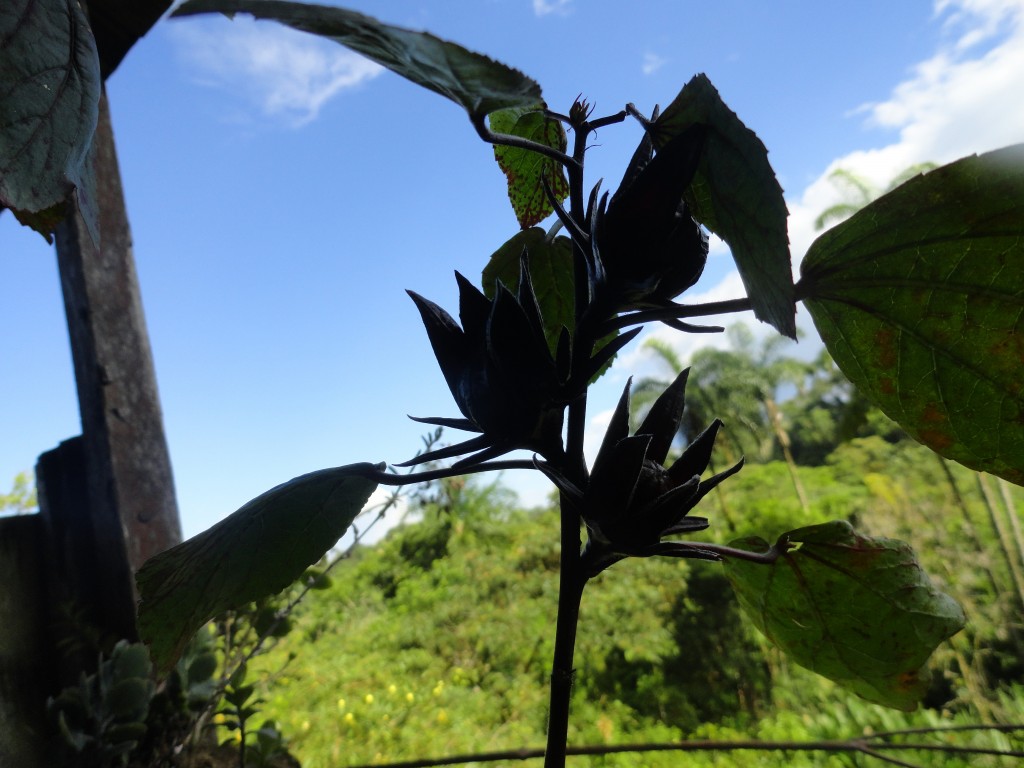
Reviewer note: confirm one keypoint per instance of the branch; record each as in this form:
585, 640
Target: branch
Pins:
765, 558
508, 140
677, 311
601, 122
389, 478
871, 746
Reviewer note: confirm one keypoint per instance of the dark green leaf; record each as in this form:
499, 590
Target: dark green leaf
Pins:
524, 169
735, 195
129, 699
50, 86
130, 660
123, 738
202, 669
256, 551
477, 83
550, 271
856, 609
919, 297
314, 578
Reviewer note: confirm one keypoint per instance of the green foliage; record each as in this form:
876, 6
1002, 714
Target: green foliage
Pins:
736, 196
103, 718
855, 609
918, 297
22, 497
525, 170
50, 81
447, 628
258, 550
550, 262
862, 192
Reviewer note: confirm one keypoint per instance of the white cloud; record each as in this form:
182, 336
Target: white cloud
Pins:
546, 7
652, 63
963, 100
982, 19
286, 74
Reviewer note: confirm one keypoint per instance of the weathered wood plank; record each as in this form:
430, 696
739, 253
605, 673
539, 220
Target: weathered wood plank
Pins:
23, 661
129, 479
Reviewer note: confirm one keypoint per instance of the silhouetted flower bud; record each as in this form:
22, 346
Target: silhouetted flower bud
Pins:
632, 501
499, 370
651, 247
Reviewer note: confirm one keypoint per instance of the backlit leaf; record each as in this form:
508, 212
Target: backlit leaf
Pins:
919, 297
550, 271
477, 83
50, 86
735, 195
855, 609
257, 551
524, 169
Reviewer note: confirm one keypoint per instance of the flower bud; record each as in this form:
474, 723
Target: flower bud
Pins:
650, 246
499, 370
632, 501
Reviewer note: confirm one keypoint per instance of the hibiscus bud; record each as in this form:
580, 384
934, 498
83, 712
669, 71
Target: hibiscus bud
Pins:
651, 247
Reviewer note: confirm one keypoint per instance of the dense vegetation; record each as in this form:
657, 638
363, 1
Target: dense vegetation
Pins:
435, 641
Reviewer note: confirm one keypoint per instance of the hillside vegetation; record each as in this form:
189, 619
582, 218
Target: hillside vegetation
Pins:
437, 640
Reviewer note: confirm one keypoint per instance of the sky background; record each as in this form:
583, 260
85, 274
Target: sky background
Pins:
283, 193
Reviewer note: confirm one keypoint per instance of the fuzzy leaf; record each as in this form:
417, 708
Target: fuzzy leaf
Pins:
477, 83
257, 551
919, 297
855, 609
735, 194
50, 81
524, 169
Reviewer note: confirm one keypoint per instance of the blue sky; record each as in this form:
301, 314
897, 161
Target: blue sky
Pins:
284, 193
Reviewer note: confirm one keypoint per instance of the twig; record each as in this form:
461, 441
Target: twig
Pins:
869, 746
518, 142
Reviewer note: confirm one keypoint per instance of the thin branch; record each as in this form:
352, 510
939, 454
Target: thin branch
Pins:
722, 550
948, 729
679, 311
635, 113
865, 750
508, 140
870, 747
601, 122
389, 478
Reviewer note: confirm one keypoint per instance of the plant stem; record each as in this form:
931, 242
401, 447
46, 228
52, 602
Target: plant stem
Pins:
677, 312
570, 592
518, 142
571, 578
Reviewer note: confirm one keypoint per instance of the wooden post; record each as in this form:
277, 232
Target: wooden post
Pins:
107, 498
128, 471
23, 667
